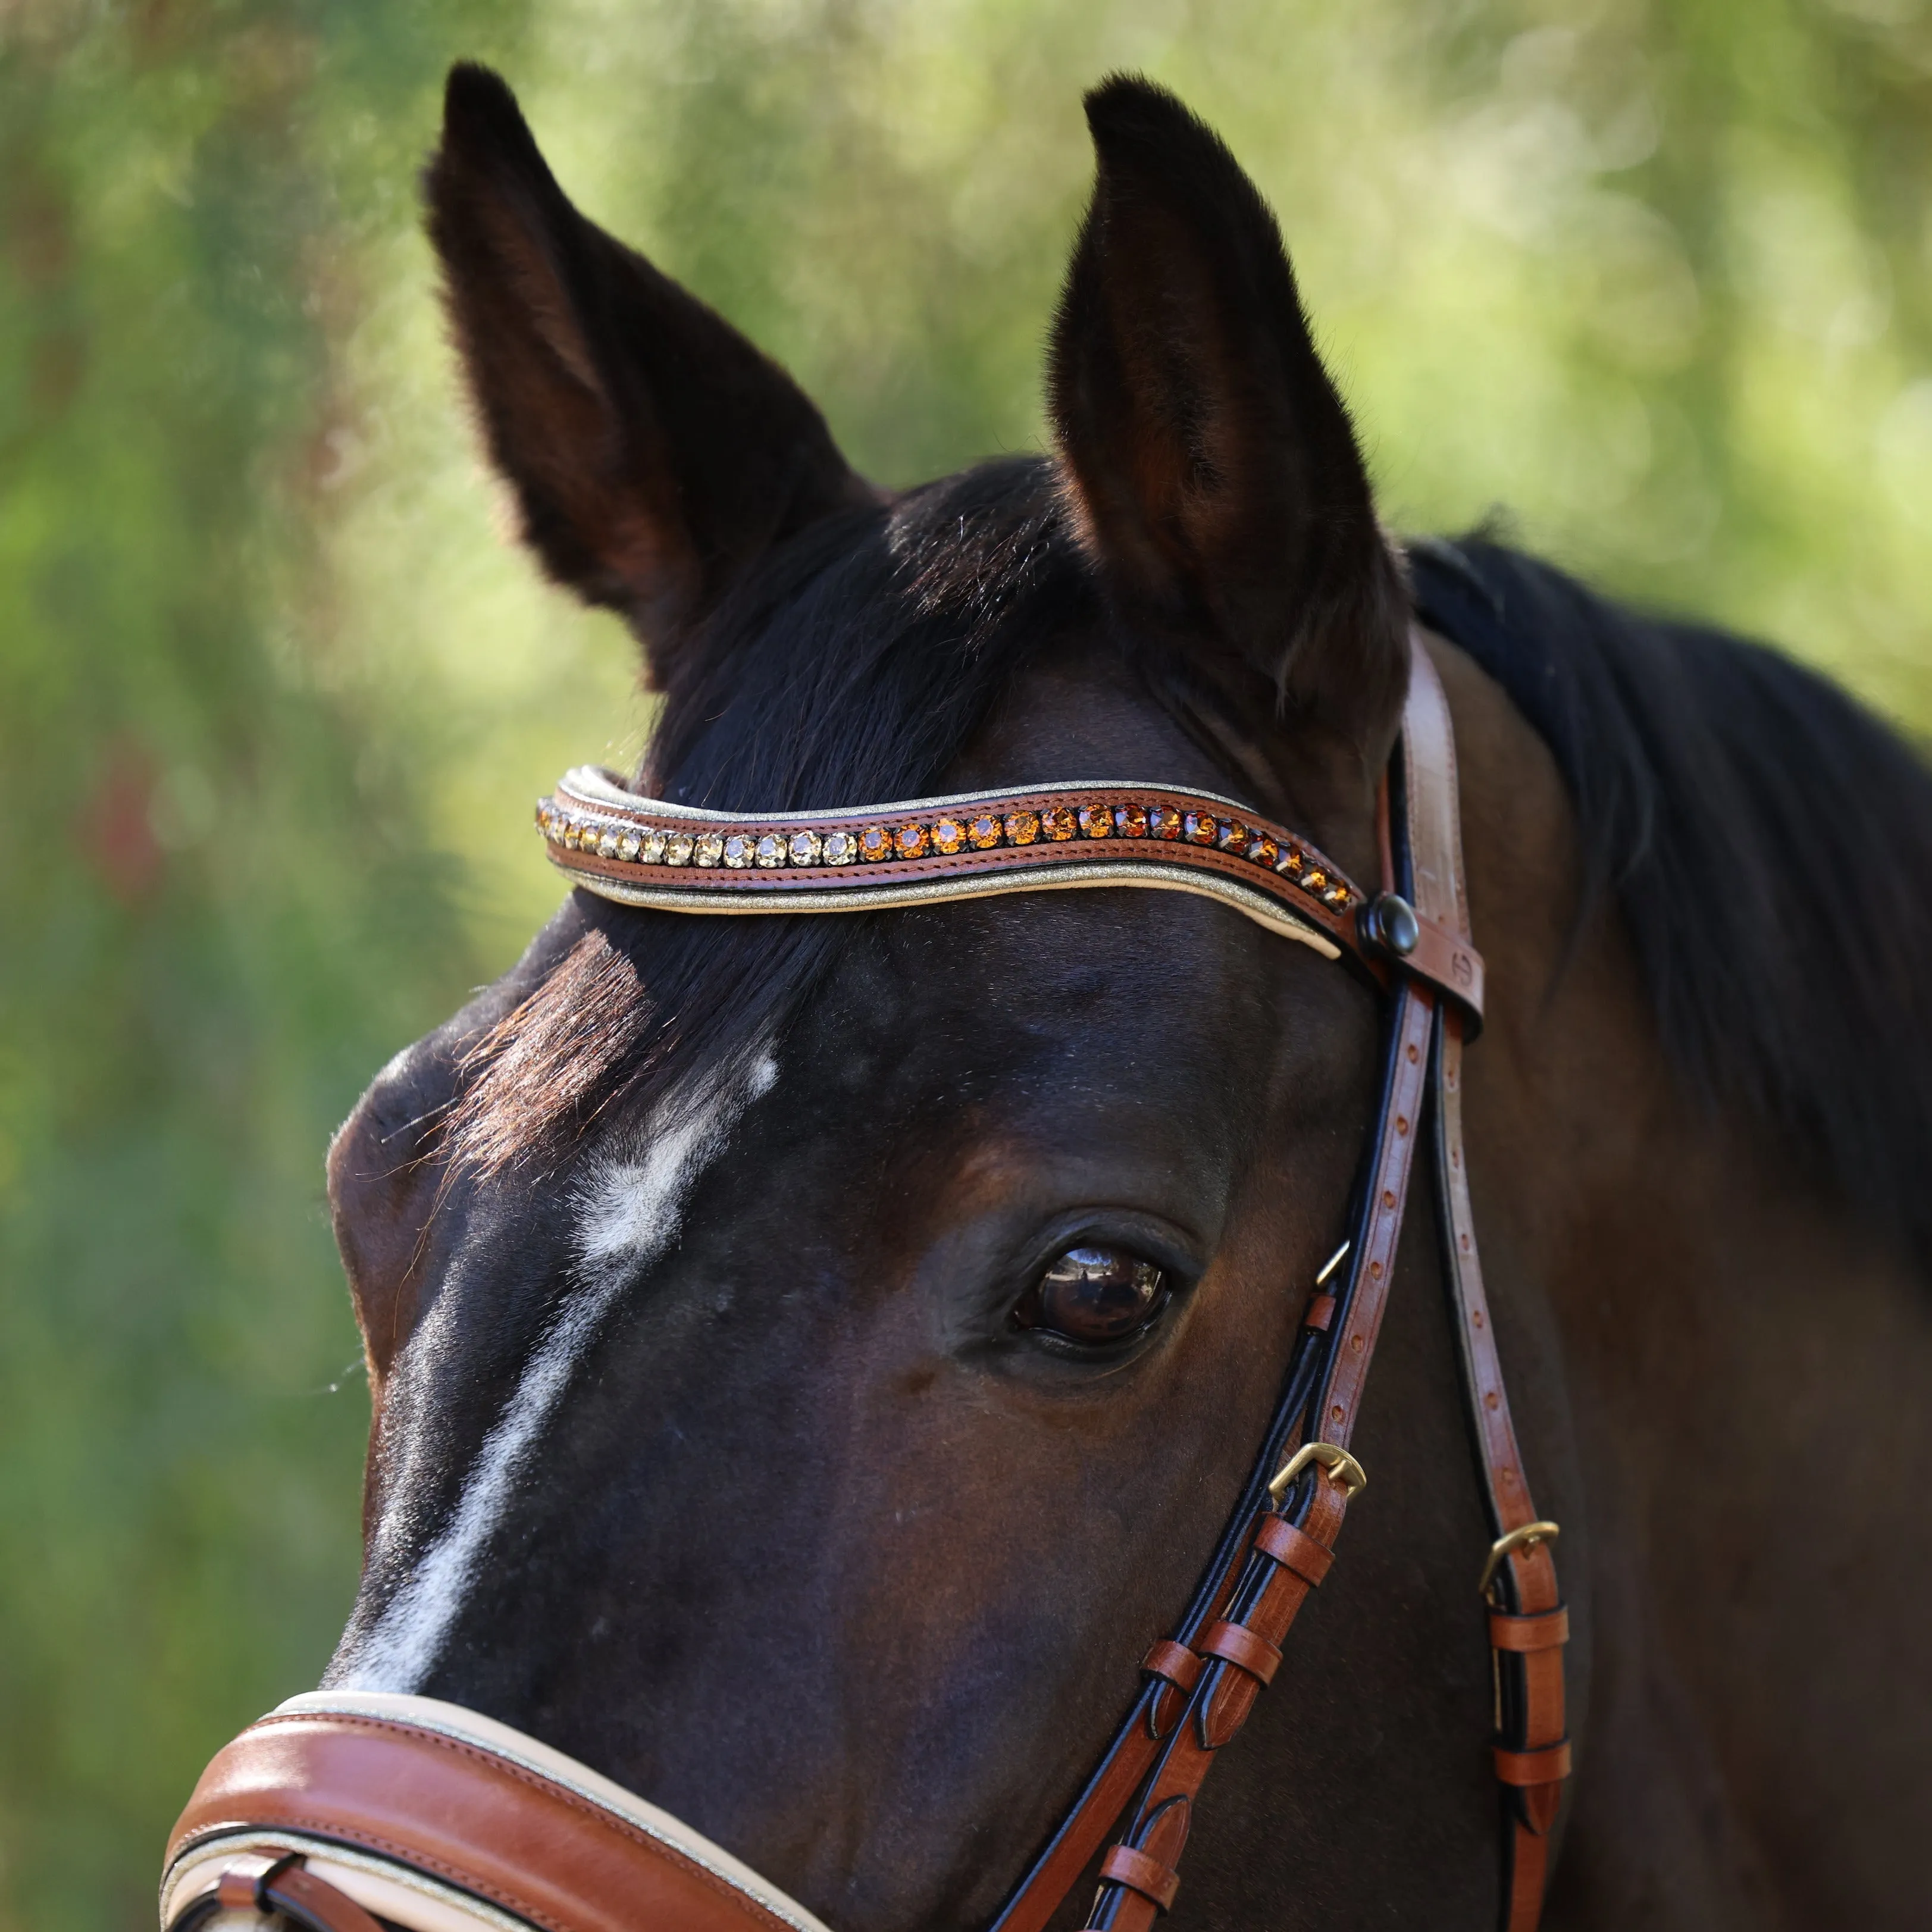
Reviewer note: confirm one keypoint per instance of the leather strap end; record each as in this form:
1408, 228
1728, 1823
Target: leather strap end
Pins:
1293, 1549
1549, 1630
1550, 1765
1138, 1873
1244, 1648
1448, 960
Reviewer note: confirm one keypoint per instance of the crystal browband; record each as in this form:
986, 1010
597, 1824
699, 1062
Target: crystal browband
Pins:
647, 852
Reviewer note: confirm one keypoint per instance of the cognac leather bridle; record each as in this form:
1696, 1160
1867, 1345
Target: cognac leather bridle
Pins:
338, 1805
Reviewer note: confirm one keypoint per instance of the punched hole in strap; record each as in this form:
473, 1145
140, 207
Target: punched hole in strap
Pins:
1545, 1629
1138, 1873
1244, 1648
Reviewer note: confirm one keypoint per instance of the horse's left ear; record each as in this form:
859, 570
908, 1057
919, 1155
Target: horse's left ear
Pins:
654, 453
1210, 461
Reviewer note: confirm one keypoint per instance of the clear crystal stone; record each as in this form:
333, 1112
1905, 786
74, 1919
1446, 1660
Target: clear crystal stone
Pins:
627, 846
606, 845
709, 849
677, 848
737, 851
841, 848
652, 850
770, 849
805, 848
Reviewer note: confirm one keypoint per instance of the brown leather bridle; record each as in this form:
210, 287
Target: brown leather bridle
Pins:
337, 1805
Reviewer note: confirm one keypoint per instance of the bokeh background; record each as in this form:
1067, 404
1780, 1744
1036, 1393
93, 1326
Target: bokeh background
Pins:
275, 694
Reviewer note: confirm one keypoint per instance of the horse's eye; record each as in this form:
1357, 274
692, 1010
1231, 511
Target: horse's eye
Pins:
1094, 1296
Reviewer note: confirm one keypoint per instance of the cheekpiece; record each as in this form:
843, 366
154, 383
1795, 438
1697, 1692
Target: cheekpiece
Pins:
648, 852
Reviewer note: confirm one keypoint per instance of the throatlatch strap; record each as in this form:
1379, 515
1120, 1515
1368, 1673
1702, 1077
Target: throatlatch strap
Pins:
1528, 1626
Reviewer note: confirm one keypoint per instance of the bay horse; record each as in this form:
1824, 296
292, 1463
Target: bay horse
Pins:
813, 1359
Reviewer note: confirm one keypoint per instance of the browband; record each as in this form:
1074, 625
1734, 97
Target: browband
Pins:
650, 852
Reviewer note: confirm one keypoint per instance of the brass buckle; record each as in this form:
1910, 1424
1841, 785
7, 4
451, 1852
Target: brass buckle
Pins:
1339, 1463
1526, 1537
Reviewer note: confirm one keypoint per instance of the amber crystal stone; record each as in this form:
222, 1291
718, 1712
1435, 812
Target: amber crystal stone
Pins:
910, 842
770, 849
1231, 836
1096, 821
1130, 821
1313, 880
1057, 821
739, 849
568, 833
1022, 827
709, 849
984, 832
1262, 849
1289, 864
1338, 895
840, 848
875, 842
678, 848
1164, 821
1199, 828
652, 850
949, 835
804, 848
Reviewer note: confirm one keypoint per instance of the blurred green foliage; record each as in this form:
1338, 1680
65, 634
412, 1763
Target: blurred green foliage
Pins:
275, 697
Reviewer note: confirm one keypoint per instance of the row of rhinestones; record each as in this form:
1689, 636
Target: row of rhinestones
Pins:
738, 851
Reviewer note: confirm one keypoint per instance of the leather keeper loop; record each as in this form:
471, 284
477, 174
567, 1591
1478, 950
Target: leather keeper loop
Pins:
1240, 1646
1174, 1661
1549, 1765
235, 1890
1548, 1631
1275, 1536
1321, 1312
1138, 1873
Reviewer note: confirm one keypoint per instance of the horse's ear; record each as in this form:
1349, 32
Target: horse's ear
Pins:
1209, 460
653, 451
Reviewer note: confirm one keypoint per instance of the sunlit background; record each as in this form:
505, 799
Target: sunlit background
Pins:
1653, 282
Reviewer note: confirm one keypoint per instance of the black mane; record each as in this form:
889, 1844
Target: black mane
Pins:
1769, 843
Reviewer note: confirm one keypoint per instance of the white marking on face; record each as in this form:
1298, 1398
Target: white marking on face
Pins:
631, 1213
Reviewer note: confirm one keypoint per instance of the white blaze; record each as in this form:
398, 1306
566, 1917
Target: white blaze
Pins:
630, 1214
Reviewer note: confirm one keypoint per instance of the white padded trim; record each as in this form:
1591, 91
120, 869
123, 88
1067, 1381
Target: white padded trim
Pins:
1074, 876
391, 1892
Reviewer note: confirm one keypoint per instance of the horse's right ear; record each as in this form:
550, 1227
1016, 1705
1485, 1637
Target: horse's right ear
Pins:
654, 452
1211, 466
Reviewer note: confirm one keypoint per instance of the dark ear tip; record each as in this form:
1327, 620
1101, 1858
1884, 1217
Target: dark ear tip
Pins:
1129, 110
477, 103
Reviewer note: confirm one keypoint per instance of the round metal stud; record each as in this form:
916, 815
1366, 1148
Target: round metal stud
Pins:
1390, 923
